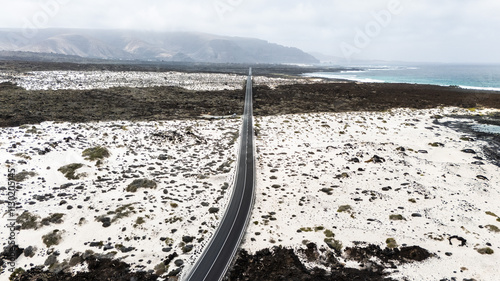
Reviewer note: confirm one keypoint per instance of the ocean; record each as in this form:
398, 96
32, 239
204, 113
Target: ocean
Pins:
481, 77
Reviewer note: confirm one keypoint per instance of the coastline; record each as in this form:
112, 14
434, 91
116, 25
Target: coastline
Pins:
472, 77
371, 80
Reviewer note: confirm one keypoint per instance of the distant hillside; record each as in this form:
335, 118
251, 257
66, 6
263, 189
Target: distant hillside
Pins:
157, 46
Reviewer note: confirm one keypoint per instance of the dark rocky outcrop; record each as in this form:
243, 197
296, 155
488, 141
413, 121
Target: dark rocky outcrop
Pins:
99, 269
284, 264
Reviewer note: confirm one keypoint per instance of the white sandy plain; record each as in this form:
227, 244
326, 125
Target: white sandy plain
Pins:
190, 174
85, 80
300, 155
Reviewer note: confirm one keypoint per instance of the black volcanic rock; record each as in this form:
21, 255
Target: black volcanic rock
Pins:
283, 264
98, 269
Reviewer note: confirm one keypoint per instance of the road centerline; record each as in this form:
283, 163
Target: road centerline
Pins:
219, 253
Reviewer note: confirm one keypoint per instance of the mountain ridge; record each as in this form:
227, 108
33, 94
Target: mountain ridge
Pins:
153, 46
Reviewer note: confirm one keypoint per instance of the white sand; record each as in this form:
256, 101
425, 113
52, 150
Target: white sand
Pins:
191, 172
57, 80
299, 155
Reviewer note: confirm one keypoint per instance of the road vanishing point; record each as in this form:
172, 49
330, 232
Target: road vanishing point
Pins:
220, 252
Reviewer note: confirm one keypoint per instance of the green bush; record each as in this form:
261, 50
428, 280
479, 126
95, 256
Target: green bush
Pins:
492, 228
491, 214
391, 243
139, 220
122, 212
306, 229
140, 183
436, 144
333, 244
17, 272
328, 233
22, 176
69, 171
27, 220
485, 251
161, 268
396, 217
318, 228
172, 220
344, 208
53, 218
52, 238
96, 153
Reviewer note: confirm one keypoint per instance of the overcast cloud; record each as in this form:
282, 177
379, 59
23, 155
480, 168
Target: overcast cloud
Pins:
404, 30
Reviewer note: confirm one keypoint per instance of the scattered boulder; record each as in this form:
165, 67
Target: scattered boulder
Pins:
213, 210
188, 248
11, 253
376, 159
179, 262
163, 157
462, 240
187, 239
470, 151
126, 249
481, 177
355, 160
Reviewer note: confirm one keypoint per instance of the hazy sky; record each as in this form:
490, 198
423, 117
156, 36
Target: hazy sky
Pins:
405, 30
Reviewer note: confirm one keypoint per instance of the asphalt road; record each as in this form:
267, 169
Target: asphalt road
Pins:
219, 254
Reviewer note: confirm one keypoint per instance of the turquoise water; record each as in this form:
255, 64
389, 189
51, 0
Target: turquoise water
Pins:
484, 77
486, 128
